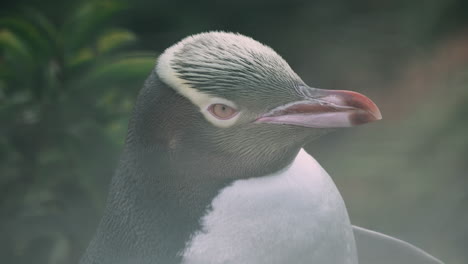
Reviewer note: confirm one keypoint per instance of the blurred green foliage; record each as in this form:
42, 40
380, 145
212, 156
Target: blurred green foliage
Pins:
65, 95
70, 71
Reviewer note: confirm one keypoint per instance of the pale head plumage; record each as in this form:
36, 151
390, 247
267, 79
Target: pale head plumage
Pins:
228, 68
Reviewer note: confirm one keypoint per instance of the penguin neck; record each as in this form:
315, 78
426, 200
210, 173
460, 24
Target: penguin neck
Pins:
153, 212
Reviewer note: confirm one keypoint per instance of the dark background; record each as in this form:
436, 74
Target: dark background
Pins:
70, 72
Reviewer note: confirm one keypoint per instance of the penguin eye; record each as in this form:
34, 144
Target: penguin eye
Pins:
222, 111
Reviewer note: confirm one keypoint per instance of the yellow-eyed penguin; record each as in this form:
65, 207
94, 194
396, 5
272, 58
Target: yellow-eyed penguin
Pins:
213, 170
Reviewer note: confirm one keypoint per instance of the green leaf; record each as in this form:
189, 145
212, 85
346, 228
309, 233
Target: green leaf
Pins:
122, 71
37, 43
82, 57
109, 42
87, 24
115, 39
45, 27
13, 47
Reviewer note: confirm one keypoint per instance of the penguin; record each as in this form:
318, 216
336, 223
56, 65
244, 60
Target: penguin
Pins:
213, 170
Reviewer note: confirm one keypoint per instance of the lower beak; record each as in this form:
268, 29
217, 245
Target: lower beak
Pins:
327, 109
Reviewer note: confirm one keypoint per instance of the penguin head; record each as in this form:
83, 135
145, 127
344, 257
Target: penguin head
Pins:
247, 101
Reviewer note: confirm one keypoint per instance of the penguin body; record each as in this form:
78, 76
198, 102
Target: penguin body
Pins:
272, 219
213, 169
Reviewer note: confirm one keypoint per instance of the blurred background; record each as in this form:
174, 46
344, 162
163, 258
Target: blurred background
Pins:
70, 72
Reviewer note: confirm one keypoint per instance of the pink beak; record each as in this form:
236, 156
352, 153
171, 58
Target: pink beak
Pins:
329, 109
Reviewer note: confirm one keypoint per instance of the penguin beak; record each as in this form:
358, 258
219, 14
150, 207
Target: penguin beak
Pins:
325, 109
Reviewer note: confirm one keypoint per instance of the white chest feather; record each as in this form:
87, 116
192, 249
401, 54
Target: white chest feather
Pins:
294, 216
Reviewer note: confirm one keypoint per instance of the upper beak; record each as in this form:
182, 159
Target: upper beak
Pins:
325, 109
